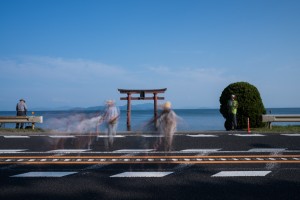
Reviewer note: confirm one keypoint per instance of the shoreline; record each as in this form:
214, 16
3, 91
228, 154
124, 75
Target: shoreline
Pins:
137, 133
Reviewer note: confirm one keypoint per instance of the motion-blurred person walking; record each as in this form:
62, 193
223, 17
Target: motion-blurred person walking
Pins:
166, 125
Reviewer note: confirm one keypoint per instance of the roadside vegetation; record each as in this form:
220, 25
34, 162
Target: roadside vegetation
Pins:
13, 130
250, 105
278, 129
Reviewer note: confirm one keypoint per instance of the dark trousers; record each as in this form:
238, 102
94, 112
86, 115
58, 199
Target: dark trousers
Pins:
20, 113
233, 121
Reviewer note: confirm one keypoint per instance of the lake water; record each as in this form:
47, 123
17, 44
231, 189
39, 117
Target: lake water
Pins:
190, 119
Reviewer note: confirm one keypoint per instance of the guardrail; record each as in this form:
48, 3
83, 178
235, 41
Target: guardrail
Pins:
21, 119
280, 118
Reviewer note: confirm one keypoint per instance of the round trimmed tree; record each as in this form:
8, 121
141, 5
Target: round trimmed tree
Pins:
250, 105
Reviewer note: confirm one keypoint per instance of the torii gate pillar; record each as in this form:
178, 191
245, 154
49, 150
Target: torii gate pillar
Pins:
142, 96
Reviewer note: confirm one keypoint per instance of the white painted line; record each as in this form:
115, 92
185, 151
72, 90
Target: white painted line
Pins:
44, 174
249, 135
141, 174
241, 173
267, 150
201, 135
16, 136
149, 136
11, 150
134, 150
106, 136
200, 150
62, 136
295, 134
68, 150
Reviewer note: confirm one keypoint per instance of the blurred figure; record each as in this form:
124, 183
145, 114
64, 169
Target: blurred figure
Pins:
21, 109
166, 124
232, 108
110, 117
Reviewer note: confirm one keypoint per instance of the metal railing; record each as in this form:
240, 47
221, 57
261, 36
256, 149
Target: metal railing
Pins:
21, 119
280, 118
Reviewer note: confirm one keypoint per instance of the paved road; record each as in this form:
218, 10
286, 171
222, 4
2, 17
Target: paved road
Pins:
206, 165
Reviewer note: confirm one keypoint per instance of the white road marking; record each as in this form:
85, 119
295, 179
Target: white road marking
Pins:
295, 134
134, 150
241, 173
44, 174
200, 150
15, 136
155, 136
68, 150
267, 150
106, 136
11, 150
141, 174
249, 135
62, 136
201, 135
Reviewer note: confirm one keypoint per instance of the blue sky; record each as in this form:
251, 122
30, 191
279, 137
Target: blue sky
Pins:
59, 53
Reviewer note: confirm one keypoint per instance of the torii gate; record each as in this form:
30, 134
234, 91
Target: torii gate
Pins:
142, 96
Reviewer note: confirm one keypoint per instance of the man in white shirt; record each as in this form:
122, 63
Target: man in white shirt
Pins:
111, 117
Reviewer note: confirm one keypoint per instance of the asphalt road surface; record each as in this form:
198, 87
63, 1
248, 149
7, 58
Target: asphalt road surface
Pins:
204, 165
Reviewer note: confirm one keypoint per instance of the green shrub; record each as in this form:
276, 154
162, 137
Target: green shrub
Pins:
250, 105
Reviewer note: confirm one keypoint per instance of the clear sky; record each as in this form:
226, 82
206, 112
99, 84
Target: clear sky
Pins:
57, 53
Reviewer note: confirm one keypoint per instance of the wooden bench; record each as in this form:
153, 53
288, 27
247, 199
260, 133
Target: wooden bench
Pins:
279, 118
21, 119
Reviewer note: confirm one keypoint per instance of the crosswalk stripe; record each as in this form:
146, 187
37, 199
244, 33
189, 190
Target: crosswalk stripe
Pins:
200, 150
267, 150
152, 136
68, 150
15, 136
141, 174
106, 136
62, 136
249, 135
44, 174
294, 134
11, 150
241, 173
201, 135
134, 150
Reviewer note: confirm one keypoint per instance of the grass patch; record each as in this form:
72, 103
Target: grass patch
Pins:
278, 129
13, 130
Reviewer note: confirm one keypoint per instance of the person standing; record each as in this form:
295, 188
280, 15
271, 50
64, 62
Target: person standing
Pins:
233, 106
167, 124
110, 118
21, 109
